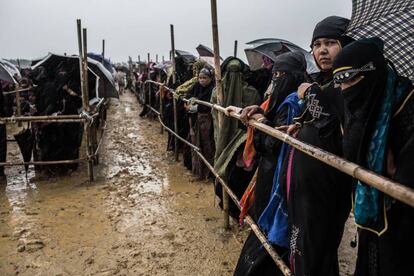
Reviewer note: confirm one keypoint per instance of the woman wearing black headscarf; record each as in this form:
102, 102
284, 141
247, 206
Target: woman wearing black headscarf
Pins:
379, 135
201, 123
317, 194
288, 72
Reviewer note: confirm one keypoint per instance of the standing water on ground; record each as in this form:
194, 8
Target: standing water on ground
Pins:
144, 214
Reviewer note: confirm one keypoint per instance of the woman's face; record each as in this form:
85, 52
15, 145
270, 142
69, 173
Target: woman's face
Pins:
278, 74
204, 80
325, 51
348, 84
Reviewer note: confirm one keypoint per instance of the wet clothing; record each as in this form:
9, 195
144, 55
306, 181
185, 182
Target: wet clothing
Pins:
379, 116
260, 79
254, 259
201, 130
318, 196
230, 136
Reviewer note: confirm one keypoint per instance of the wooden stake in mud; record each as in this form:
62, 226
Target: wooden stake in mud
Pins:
162, 92
103, 51
84, 88
219, 91
18, 105
174, 100
235, 48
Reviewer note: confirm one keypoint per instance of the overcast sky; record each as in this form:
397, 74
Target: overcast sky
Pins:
32, 28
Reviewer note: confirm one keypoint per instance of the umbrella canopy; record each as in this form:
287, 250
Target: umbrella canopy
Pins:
8, 71
99, 82
70, 64
106, 62
204, 51
106, 86
186, 56
206, 54
271, 48
393, 22
163, 66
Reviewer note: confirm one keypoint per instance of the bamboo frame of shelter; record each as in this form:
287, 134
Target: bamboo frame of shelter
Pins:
92, 146
385, 185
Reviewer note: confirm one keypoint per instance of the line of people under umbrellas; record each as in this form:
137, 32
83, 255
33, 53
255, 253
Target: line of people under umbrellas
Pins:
356, 107
50, 87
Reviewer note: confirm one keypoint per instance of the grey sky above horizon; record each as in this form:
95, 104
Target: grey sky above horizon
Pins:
32, 28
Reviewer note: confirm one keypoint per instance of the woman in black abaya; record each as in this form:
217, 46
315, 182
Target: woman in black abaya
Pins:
379, 135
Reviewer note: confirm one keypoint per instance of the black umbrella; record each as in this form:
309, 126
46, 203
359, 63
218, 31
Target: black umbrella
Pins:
8, 71
204, 51
393, 22
106, 88
186, 56
25, 141
52, 63
206, 54
271, 48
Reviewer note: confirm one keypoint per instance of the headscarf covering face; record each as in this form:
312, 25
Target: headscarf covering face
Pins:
362, 100
331, 27
293, 64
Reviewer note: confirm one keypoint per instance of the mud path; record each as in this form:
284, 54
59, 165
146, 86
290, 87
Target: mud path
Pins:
144, 215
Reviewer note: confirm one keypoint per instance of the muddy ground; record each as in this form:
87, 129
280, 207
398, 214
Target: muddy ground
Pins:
144, 215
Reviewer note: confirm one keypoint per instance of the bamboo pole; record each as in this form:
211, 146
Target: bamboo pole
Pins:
85, 103
59, 162
235, 48
162, 91
149, 94
385, 185
18, 104
103, 51
17, 90
219, 93
174, 100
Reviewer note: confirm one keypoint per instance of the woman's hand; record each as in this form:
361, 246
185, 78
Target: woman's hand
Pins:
231, 108
303, 88
186, 106
249, 111
257, 117
289, 129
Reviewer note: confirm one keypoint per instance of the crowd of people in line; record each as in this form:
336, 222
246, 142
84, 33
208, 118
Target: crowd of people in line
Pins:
45, 91
357, 107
